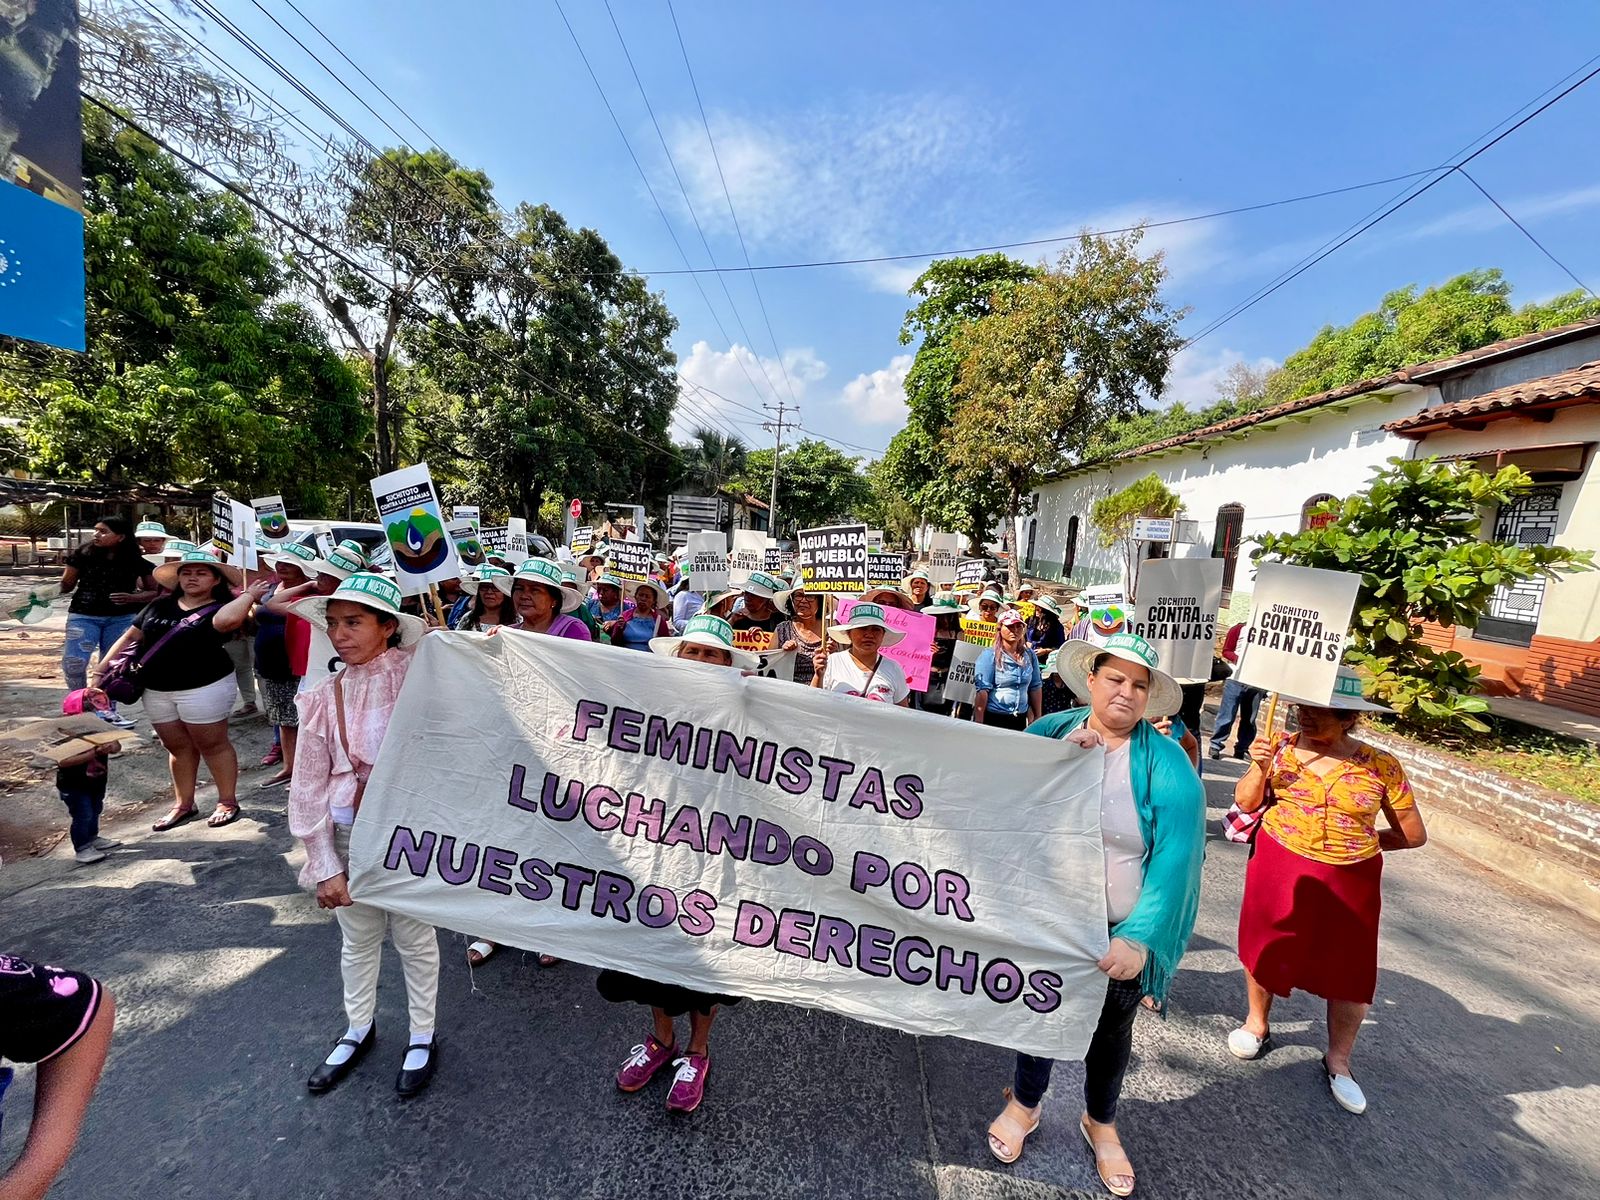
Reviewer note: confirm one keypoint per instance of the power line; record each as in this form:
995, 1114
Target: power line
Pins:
1543, 249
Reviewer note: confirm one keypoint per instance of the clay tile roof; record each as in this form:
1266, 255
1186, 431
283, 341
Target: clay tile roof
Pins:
1419, 372
1580, 385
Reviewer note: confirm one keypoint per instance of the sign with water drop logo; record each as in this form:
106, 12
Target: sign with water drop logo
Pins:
413, 525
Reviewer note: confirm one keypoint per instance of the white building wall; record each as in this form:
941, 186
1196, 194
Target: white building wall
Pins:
1271, 472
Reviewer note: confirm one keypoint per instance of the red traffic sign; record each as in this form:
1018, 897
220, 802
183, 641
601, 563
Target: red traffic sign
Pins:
576, 509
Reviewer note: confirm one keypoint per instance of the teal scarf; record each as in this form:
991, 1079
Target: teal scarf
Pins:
1172, 817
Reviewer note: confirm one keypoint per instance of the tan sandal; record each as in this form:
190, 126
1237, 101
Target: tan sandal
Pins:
1011, 1129
1113, 1145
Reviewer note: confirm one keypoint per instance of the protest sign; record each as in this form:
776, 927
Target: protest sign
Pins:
978, 632
776, 662
222, 531
943, 553
914, 652
495, 539
465, 512
885, 570
244, 553
1106, 609
1176, 612
960, 684
469, 548
749, 554
408, 510
582, 540
517, 541
632, 561
874, 540
705, 560
272, 518
681, 822
1295, 637
833, 560
970, 573
772, 560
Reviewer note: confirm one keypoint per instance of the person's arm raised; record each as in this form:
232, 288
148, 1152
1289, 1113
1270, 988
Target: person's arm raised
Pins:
232, 615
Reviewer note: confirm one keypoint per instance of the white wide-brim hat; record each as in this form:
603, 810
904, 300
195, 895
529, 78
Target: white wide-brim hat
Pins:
663, 597
167, 574
761, 584
893, 597
1075, 659
498, 577
371, 591
547, 573
700, 631
175, 548
862, 615
1348, 696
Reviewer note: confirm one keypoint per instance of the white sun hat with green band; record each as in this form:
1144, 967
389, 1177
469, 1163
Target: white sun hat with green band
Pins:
348, 558
151, 529
167, 574
175, 548
549, 573
296, 554
762, 584
1075, 660
1348, 695
703, 629
862, 615
496, 576
381, 595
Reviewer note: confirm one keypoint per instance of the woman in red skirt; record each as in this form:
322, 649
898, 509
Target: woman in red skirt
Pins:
1309, 919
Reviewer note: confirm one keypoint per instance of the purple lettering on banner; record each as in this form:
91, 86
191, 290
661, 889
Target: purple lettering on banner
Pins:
731, 752
495, 874
728, 837
625, 726
686, 829
912, 887
695, 917
869, 792
872, 950
561, 810
515, 797
1046, 995
834, 770
771, 843
794, 929
649, 816
833, 940
869, 871
575, 879
754, 924
796, 777
907, 802
916, 976
446, 860
1002, 981
536, 874
589, 717
611, 894
676, 743
914, 652
596, 796
963, 972
405, 844
663, 916
811, 856
952, 889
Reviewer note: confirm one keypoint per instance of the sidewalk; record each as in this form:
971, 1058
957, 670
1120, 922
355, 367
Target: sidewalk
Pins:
1564, 721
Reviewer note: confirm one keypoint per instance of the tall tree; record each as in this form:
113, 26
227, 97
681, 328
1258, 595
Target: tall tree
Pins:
1058, 357
712, 459
816, 485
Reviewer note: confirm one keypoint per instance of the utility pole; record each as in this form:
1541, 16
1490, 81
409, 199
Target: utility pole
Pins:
776, 428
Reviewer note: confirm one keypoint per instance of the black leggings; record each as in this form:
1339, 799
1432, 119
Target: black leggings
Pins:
1103, 1066
1000, 720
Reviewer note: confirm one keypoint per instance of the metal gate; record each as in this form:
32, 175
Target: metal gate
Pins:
1530, 520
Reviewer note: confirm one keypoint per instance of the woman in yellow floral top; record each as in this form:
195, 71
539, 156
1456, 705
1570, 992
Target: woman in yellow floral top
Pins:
1309, 918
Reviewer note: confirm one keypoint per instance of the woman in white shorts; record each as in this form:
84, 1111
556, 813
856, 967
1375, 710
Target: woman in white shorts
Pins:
188, 676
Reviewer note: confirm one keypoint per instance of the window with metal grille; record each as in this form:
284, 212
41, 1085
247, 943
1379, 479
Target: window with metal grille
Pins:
1225, 544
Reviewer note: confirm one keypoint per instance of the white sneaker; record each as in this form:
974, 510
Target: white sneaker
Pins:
1246, 1045
106, 844
89, 855
117, 719
1347, 1093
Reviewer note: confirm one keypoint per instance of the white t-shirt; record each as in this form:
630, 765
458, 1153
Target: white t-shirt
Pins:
844, 674
1119, 830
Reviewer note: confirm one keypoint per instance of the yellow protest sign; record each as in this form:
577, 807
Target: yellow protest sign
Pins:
979, 633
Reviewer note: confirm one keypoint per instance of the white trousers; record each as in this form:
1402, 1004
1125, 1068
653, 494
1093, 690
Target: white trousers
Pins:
417, 942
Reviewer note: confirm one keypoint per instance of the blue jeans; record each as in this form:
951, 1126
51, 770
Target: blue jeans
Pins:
1239, 701
84, 808
85, 635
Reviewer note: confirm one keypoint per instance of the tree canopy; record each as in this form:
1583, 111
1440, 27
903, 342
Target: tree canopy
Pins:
817, 485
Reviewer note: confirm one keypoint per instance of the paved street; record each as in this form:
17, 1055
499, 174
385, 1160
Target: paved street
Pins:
1482, 1062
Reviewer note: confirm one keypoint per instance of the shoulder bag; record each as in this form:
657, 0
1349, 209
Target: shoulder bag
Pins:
1242, 827
121, 679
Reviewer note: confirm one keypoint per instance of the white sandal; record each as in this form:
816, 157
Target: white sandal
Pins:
484, 950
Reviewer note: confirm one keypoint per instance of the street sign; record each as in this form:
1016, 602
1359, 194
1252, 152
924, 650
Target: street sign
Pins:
576, 509
1154, 529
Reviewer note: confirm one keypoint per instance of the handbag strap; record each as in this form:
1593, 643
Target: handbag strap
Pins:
187, 622
359, 769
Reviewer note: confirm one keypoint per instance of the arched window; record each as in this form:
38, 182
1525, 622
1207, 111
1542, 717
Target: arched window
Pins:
1225, 544
1317, 521
1069, 557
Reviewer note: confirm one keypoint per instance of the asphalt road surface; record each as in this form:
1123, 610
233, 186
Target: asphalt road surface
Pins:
1481, 1061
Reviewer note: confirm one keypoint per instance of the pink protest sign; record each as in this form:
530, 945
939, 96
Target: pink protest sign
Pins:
915, 651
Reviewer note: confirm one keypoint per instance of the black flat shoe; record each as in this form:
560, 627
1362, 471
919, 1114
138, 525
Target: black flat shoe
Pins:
326, 1078
412, 1083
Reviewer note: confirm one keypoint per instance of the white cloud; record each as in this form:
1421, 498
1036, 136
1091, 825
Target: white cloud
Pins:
1483, 217
1197, 373
878, 397
732, 385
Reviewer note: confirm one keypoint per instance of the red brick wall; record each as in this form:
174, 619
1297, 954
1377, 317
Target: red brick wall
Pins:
1563, 673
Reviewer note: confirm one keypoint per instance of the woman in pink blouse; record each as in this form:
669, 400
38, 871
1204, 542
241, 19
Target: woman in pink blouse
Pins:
342, 723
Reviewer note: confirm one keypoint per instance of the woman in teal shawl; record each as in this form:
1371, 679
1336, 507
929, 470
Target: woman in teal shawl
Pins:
1153, 826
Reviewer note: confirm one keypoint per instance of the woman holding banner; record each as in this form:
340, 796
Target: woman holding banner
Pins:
802, 632
706, 639
1309, 918
648, 621
862, 671
1009, 682
343, 720
1152, 823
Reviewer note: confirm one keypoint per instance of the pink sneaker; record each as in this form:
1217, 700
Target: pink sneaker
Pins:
643, 1063
689, 1084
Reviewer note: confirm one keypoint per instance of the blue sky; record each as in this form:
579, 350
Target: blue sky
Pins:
863, 129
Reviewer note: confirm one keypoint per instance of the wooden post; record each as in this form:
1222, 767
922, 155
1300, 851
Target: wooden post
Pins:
1272, 714
438, 605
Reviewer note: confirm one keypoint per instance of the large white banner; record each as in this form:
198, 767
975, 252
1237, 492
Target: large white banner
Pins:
744, 836
1299, 623
1176, 612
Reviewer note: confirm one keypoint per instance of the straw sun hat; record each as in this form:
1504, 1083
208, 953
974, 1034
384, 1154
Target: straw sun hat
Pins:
1075, 659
